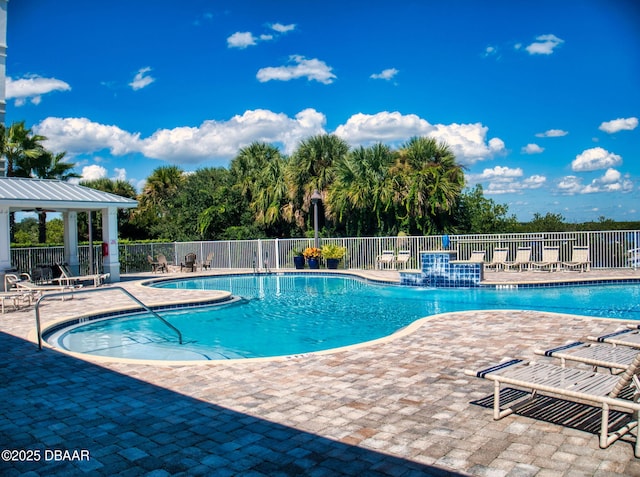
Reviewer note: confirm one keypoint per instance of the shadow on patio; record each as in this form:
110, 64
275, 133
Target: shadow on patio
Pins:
53, 401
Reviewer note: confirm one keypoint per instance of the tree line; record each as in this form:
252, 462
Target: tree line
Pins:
416, 189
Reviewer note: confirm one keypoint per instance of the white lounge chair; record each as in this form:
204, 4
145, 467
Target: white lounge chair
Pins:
523, 259
477, 256
597, 355
499, 258
25, 284
68, 278
550, 259
598, 389
579, 259
628, 337
403, 257
634, 257
386, 259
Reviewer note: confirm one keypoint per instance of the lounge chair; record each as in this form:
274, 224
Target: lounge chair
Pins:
499, 259
634, 257
189, 263
68, 278
403, 257
550, 259
208, 263
628, 337
23, 283
579, 259
386, 259
597, 355
523, 259
477, 256
571, 384
16, 299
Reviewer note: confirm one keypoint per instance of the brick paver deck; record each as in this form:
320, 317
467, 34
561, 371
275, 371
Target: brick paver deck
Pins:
400, 407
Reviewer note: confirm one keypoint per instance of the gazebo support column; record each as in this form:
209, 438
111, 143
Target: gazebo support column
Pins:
70, 220
5, 244
111, 261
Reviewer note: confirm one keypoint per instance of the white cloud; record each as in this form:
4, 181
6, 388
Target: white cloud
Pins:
387, 74
620, 124
594, 159
221, 140
313, 70
467, 141
490, 51
552, 133
611, 181
544, 45
93, 172
120, 174
280, 28
141, 79
32, 87
506, 180
241, 40
532, 149
80, 135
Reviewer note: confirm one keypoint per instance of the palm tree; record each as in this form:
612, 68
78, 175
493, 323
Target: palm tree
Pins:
162, 185
362, 193
311, 168
430, 182
50, 166
20, 147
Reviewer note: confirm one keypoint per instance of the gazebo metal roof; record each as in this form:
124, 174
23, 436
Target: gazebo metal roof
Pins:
30, 194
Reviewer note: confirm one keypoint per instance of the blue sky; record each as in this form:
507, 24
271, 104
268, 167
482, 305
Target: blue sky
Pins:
538, 99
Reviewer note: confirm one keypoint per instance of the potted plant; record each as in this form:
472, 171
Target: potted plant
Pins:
312, 254
298, 259
333, 253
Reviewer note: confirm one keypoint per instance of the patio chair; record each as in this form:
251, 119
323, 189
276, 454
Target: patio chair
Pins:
208, 262
68, 278
189, 263
154, 263
550, 259
386, 259
596, 355
579, 259
403, 257
499, 258
523, 259
163, 265
570, 384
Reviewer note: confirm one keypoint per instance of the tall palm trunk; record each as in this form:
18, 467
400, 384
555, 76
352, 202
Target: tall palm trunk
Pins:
42, 227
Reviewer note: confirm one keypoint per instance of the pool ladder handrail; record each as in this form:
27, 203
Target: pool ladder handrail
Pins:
71, 292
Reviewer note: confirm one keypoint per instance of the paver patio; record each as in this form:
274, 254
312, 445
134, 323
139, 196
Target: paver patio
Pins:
398, 407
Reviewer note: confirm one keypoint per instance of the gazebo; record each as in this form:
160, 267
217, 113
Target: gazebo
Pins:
33, 195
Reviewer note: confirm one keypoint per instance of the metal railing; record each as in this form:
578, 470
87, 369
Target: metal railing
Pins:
95, 290
607, 249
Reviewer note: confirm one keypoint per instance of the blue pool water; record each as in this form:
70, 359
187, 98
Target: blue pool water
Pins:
294, 314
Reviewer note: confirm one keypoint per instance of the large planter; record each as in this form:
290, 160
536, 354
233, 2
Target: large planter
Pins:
314, 263
298, 261
332, 263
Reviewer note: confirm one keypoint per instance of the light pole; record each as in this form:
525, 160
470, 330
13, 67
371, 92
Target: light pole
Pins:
315, 198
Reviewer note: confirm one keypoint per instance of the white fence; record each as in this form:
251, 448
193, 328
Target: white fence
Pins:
607, 249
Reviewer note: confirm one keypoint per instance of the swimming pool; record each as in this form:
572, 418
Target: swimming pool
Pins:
294, 314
